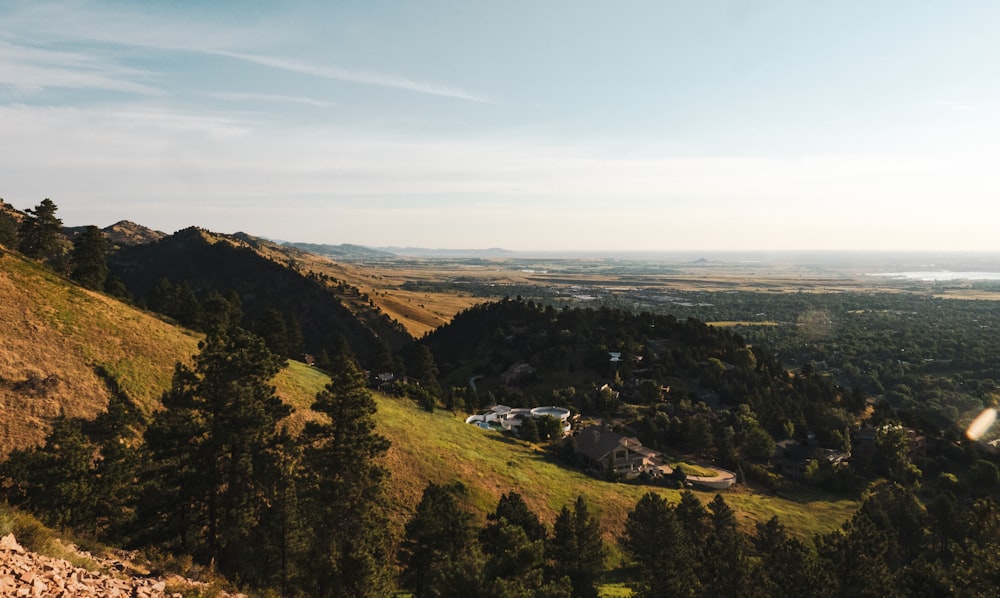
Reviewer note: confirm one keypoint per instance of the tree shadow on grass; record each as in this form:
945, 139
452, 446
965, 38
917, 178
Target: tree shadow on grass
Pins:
505, 438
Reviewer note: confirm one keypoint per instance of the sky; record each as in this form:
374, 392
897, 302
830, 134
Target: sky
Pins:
528, 125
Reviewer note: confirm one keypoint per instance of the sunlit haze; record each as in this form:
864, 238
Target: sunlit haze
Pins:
561, 125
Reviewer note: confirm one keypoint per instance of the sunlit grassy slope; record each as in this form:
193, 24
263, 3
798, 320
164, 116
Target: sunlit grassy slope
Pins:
440, 447
53, 336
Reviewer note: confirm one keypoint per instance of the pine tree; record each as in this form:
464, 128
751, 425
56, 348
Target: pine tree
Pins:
296, 340
272, 328
578, 549
88, 260
512, 510
384, 362
116, 435
855, 557
528, 430
84, 473
161, 297
342, 482
40, 232
424, 369
186, 308
787, 566
8, 230
656, 540
220, 311
725, 569
208, 452
516, 568
55, 480
282, 539
693, 515
438, 553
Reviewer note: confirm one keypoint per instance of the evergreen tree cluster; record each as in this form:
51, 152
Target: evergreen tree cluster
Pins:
40, 235
893, 546
216, 476
666, 373
8, 228
514, 555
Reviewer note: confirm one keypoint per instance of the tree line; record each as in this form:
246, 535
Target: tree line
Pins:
215, 475
39, 235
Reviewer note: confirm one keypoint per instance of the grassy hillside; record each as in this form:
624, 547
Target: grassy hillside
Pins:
54, 334
54, 337
440, 447
382, 284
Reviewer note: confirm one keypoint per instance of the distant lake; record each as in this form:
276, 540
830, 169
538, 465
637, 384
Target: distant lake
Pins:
940, 275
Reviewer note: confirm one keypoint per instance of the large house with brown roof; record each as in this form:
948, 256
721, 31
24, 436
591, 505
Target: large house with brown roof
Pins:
604, 450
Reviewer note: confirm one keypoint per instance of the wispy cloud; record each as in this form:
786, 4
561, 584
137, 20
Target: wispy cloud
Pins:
106, 28
267, 97
353, 76
30, 69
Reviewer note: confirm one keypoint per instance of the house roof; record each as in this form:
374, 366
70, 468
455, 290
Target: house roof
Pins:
596, 442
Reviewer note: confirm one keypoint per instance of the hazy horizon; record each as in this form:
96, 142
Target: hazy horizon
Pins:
534, 127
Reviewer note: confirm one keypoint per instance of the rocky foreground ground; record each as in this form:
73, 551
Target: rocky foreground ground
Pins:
25, 573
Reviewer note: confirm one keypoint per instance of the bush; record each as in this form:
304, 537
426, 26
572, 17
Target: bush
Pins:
32, 533
764, 477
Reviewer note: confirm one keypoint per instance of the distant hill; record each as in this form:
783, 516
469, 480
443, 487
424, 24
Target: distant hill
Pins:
127, 232
493, 252
266, 276
572, 347
6, 208
121, 233
343, 251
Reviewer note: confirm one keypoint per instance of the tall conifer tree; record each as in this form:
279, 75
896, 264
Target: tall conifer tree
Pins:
8, 230
342, 482
439, 553
88, 261
39, 231
208, 452
578, 549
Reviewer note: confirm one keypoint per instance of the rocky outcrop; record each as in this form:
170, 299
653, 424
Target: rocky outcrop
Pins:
24, 573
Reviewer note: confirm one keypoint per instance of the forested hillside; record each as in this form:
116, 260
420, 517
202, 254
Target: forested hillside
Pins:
656, 368
175, 274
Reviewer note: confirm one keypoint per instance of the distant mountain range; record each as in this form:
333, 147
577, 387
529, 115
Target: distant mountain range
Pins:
344, 251
347, 251
449, 253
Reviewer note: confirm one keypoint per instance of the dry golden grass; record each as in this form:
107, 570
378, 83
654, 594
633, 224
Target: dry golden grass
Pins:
54, 335
418, 312
421, 313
